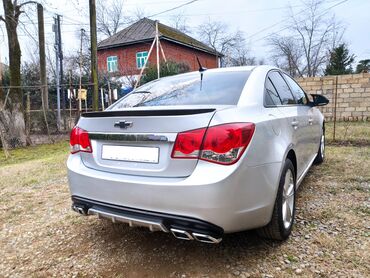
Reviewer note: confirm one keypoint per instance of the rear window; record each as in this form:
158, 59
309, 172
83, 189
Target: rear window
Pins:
217, 88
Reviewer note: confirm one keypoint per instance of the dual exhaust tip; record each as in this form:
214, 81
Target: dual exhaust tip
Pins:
181, 234
177, 233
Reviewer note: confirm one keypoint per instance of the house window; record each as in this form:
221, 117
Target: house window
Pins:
141, 58
112, 64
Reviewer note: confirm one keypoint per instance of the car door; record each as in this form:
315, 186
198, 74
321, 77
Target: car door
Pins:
294, 120
308, 116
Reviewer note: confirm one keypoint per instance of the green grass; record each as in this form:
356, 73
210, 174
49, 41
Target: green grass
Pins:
348, 132
20, 155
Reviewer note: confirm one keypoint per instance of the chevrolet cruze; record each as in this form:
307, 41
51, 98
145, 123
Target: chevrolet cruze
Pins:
200, 154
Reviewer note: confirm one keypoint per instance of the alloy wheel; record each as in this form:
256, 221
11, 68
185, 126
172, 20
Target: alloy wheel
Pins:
288, 199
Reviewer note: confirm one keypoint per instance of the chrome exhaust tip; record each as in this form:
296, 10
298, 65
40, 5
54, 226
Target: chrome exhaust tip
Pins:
180, 234
79, 210
206, 238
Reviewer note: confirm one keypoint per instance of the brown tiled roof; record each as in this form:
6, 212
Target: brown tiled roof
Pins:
144, 30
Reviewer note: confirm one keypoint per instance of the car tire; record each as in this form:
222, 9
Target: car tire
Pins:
321, 153
280, 226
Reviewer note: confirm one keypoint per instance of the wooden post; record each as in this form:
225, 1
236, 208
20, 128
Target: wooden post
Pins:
70, 93
62, 88
94, 58
157, 45
44, 84
164, 56
109, 94
335, 105
28, 117
80, 87
57, 72
102, 99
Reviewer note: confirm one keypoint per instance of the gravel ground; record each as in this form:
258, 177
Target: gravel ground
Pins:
42, 237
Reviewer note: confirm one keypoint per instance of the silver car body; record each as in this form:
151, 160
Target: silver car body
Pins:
235, 197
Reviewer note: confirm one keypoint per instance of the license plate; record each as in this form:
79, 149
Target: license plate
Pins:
131, 154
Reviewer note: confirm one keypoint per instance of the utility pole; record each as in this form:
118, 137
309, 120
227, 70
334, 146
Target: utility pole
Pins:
60, 53
80, 87
44, 84
157, 43
56, 47
94, 54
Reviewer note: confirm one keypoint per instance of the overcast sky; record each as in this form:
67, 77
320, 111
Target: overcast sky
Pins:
257, 19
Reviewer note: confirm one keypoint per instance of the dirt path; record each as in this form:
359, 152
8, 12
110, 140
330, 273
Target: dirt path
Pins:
41, 236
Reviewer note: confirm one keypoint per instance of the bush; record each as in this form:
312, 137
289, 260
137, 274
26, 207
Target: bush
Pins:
166, 69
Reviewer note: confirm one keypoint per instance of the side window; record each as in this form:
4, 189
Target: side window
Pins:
282, 88
272, 97
141, 58
112, 65
298, 93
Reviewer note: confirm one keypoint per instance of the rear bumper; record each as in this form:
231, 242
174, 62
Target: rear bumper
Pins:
229, 198
153, 220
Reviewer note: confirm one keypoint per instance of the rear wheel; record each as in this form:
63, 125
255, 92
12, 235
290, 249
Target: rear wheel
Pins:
321, 153
282, 218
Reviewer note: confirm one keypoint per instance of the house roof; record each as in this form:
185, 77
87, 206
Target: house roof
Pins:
144, 30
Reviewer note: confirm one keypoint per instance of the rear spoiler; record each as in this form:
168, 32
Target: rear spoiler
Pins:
144, 113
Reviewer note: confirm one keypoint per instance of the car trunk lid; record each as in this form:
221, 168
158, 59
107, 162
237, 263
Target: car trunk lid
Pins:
140, 141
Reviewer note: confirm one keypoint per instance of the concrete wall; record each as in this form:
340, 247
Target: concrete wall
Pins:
353, 95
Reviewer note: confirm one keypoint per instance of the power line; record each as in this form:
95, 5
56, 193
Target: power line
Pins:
287, 27
174, 8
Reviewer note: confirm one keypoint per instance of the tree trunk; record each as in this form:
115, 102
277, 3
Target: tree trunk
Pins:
13, 111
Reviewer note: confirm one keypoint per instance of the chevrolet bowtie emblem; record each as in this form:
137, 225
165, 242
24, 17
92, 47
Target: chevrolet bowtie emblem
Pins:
123, 124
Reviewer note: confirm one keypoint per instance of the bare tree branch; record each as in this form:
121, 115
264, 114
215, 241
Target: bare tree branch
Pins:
110, 17
305, 51
216, 34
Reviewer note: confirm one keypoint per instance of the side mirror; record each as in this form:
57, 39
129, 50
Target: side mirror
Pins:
318, 100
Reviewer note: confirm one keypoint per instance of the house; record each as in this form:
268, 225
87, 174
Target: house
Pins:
125, 53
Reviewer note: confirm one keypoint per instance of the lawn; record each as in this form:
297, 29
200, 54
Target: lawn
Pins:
42, 237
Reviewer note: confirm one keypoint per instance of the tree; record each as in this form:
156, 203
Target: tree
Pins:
239, 54
363, 66
12, 119
216, 34
109, 17
179, 22
312, 32
340, 61
287, 54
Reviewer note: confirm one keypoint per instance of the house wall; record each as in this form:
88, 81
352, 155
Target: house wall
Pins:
353, 95
127, 56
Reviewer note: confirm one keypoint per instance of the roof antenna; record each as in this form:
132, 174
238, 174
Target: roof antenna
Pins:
201, 70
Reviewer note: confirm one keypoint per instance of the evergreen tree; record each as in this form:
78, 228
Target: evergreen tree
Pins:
340, 61
363, 66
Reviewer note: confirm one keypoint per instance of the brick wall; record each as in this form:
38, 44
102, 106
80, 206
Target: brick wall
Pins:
353, 95
127, 56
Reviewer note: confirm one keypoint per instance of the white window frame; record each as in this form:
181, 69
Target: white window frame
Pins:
112, 63
140, 61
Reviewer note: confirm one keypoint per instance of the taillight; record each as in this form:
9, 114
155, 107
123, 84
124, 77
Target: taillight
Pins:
188, 144
223, 144
79, 141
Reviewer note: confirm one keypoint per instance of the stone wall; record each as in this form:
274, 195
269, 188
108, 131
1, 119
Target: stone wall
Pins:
353, 95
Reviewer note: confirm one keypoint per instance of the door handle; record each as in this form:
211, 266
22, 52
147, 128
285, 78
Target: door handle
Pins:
295, 124
310, 121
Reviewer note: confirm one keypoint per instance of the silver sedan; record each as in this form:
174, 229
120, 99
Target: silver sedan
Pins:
200, 154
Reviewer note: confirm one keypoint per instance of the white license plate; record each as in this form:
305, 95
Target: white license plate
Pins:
132, 154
